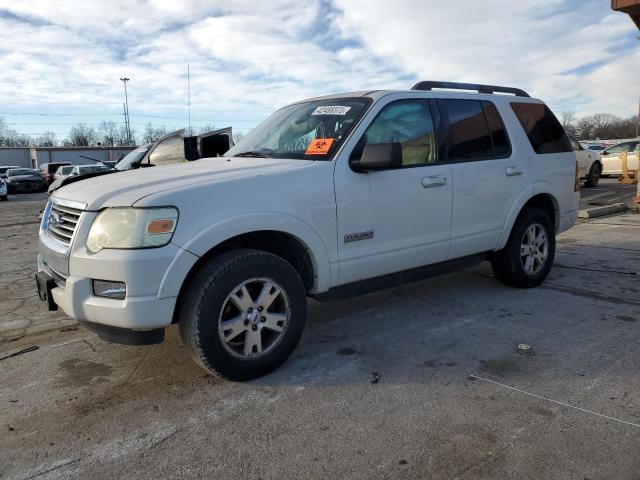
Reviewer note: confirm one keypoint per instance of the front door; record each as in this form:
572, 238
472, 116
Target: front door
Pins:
396, 219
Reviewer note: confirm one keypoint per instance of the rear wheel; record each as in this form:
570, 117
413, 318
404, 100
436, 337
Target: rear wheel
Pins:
243, 314
526, 259
594, 175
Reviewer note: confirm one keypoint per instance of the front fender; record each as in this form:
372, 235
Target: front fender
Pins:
231, 227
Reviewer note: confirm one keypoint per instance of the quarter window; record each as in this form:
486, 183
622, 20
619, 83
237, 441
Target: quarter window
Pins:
545, 133
409, 123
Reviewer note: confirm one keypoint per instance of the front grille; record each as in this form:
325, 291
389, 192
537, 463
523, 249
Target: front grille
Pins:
62, 222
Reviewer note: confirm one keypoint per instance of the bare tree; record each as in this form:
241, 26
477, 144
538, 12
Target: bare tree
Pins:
209, 127
237, 136
108, 131
82, 135
151, 133
47, 139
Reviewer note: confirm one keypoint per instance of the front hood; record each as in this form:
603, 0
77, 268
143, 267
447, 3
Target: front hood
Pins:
125, 188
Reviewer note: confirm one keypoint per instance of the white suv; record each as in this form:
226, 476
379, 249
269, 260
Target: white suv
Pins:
328, 198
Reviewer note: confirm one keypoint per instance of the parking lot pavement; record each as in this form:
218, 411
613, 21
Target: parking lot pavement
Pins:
20, 310
609, 191
423, 381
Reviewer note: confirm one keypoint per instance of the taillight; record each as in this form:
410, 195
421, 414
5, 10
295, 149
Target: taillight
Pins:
576, 188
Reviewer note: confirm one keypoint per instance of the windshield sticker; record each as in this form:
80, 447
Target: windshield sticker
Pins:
319, 146
331, 110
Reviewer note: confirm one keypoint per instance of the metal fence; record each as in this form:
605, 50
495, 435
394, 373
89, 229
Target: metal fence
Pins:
34, 157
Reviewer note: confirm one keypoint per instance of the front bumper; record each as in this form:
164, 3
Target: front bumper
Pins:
153, 278
77, 300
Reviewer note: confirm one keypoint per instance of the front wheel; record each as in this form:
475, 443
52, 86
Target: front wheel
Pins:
526, 259
594, 175
243, 314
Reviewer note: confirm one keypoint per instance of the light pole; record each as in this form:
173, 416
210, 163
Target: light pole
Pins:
126, 110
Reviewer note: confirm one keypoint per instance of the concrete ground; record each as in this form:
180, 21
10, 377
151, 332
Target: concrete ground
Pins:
423, 381
609, 191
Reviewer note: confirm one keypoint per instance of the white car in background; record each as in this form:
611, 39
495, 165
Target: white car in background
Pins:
612, 160
3, 191
589, 163
63, 171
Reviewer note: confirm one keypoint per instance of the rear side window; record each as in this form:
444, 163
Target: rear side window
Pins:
468, 134
545, 133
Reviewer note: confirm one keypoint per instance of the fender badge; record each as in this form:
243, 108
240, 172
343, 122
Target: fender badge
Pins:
354, 237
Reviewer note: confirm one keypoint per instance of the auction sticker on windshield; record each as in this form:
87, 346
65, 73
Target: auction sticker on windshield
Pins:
319, 146
331, 110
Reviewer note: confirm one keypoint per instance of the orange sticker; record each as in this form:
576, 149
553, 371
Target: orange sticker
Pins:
319, 146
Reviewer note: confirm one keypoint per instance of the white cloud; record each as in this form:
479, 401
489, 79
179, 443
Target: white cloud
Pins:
248, 57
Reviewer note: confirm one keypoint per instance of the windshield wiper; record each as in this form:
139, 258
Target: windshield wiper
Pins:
252, 154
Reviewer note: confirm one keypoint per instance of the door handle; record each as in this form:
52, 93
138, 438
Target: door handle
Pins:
434, 181
513, 171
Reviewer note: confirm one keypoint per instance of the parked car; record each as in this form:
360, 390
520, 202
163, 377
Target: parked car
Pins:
596, 148
4, 168
63, 171
329, 197
79, 171
172, 148
48, 170
25, 180
3, 191
611, 160
589, 163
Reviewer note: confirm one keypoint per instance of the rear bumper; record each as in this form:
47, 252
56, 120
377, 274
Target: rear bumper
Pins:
567, 221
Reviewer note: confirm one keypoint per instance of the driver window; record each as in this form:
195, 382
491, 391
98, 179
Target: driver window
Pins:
409, 123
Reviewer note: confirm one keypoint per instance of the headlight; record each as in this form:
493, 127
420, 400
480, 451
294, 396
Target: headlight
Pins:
132, 228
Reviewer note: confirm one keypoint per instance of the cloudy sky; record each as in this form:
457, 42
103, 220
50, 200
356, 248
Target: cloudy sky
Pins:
62, 60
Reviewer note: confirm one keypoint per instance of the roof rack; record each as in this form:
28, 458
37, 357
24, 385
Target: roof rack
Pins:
430, 85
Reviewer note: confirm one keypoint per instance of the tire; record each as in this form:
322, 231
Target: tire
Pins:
212, 297
594, 175
3, 199
509, 263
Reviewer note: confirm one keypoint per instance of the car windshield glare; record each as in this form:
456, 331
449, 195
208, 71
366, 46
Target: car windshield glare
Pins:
133, 158
310, 130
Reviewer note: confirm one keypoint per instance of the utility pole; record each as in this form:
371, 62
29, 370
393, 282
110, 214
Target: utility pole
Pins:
189, 98
638, 122
126, 110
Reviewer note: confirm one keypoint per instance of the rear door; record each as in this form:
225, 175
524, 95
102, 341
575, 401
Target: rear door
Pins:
488, 176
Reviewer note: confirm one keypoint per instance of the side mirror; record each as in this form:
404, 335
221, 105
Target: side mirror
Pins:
381, 156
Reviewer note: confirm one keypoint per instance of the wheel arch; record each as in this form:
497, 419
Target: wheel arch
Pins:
544, 200
280, 234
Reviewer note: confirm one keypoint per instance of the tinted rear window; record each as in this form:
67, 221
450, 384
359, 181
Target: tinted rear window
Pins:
542, 127
501, 145
468, 135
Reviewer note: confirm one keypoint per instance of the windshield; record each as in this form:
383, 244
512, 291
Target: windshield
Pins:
310, 130
133, 158
20, 171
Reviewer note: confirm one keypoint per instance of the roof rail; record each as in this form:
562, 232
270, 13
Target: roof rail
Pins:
430, 85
